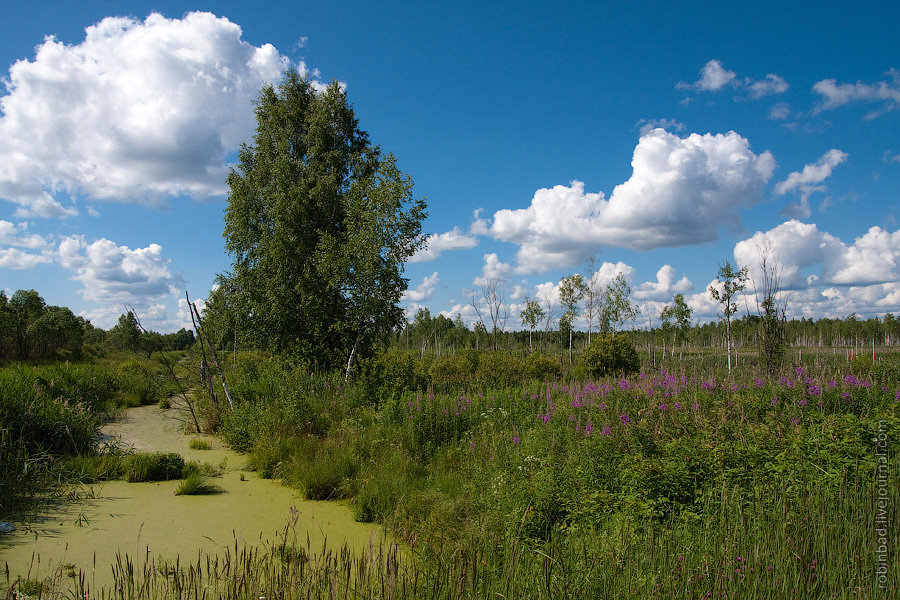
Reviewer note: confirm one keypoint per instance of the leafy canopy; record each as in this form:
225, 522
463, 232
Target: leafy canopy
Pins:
319, 224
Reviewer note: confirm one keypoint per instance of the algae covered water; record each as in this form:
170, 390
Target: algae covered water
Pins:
147, 520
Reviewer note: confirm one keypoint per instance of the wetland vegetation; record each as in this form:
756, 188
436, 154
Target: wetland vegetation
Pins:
492, 472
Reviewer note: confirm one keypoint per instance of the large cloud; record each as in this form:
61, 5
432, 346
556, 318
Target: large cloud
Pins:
118, 275
797, 248
136, 112
681, 191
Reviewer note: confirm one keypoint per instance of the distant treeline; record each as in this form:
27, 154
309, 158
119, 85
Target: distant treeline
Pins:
437, 335
32, 330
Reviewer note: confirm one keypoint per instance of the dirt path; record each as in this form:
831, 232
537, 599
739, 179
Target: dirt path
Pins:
147, 519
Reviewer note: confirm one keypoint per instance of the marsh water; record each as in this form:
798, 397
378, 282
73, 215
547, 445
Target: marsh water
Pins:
147, 520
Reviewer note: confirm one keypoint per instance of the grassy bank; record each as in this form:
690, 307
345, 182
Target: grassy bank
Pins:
683, 483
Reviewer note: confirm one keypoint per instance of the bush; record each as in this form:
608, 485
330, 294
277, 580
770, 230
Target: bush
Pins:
199, 444
155, 466
541, 368
499, 369
196, 484
609, 355
389, 374
140, 384
455, 370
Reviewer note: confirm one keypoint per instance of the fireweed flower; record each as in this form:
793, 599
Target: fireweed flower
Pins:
677, 405
516, 440
625, 419
606, 430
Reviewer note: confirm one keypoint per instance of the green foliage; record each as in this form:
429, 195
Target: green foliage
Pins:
319, 223
196, 484
31, 330
541, 368
616, 307
677, 317
154, 466
456, 370
609, 355
96, 467
199, 444
141, 382
388, 375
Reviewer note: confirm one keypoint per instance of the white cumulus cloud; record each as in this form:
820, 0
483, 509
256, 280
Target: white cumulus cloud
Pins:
113, 274
138, 111
493, 271
681, 191
665, 286
886, 93
714, 77
800, 250
809, 181
436, 244
423, 291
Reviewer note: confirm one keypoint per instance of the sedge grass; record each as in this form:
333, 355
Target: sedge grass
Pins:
199, 444
197, 484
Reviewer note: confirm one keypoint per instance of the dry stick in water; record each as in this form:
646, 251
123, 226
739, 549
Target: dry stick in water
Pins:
204, 368
212, 349
171, 368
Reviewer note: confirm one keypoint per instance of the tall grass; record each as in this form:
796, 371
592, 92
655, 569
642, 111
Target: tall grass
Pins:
45, 412
739, 549
687, 483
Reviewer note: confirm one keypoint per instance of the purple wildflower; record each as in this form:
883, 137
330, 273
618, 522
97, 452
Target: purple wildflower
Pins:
607, 430
625, 419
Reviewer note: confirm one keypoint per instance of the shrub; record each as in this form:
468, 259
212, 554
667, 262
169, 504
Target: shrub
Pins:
541, 368
139, 384
196, 484
155, 466
499, 369
455, 370
91, 469
609, 355
389, 374
198, 444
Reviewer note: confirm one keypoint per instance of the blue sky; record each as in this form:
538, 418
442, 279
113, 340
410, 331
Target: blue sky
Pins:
661, 139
